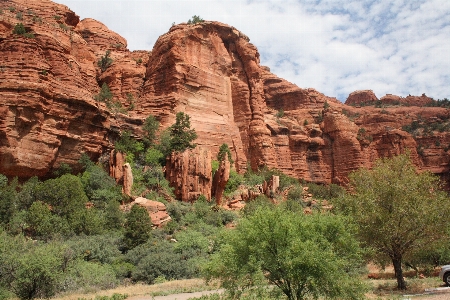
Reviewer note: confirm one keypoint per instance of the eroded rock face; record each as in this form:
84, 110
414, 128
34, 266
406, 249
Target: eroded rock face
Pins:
209, 70
156, 210
220, 180
361, 97
190, 174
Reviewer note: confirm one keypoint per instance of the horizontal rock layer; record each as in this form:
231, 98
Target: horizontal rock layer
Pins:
208, 70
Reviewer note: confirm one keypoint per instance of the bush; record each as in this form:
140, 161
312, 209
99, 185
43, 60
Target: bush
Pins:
158, 258
19, 29
195, 19
88, 276
224, 150
105, 94
137, 227
105, 61
233, 182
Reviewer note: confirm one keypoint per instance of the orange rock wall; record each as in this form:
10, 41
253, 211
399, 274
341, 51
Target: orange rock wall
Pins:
210, 71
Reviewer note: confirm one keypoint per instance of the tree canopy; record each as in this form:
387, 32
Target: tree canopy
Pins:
396, 209
302, 255
181, 133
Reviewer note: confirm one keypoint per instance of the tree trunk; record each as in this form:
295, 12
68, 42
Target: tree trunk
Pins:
397, 262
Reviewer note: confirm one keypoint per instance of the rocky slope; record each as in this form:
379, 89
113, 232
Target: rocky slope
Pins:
48, 114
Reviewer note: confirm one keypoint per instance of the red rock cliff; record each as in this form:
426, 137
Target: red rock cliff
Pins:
210, 71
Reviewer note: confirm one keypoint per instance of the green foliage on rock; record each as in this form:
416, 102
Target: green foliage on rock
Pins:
105, 94
105, 61
397, 210
224, 150
181, 133
195, 19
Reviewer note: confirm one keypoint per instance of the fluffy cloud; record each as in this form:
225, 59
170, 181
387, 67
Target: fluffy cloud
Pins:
400, 47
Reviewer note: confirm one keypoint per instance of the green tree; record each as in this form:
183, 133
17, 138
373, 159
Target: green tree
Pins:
396, 209
304, 256
38, 272
150, 128
105, 94
8, 196
195, 19
65, 194
224, 150
181, 134
105, 61
137, 227
42, 224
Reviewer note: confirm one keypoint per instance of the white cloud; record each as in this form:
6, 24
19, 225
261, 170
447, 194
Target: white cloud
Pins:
400, 47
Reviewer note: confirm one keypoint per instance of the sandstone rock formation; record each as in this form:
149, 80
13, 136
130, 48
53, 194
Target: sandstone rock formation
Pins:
361, 97
156, 210
190, 174
209, 70
121, 171
220, 180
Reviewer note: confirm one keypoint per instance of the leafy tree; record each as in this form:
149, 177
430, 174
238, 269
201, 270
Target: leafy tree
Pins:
62, 169
65, 194
105, 61
38, 272
42, 224
150, 127
181, 134
129, 145
224, 150
304, 256
28, 193
8, 196
397, 210
137, 227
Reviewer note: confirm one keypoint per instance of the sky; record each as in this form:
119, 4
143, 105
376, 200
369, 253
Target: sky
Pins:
396, 47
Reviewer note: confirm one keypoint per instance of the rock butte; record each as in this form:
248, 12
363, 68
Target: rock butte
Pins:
209, 70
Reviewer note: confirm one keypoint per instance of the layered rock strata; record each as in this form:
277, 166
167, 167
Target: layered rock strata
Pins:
209, 70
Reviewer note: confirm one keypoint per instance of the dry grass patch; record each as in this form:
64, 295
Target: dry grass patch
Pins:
134, 290
387, 288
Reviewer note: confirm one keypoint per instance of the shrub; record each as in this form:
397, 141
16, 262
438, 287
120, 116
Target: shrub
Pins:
19, 16
105, 61
150, 129
19, 29
89, 276
195, 19
280, 113
158, 258
105, 94
233, 182
224, 150
137, 227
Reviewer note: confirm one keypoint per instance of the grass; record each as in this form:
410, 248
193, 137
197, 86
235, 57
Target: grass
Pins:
387, 288
380, 289
161, 289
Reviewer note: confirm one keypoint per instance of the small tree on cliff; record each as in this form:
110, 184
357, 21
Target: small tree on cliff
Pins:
195, 19
181, 134
396, 209
224, 150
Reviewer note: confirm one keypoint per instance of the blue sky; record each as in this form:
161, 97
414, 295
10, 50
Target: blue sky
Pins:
399, 47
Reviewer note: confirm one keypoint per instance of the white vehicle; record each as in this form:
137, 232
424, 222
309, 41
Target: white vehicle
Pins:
444, 274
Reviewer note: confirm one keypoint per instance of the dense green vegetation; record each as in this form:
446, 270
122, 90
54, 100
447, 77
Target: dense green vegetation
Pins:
68, 233
399, 213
